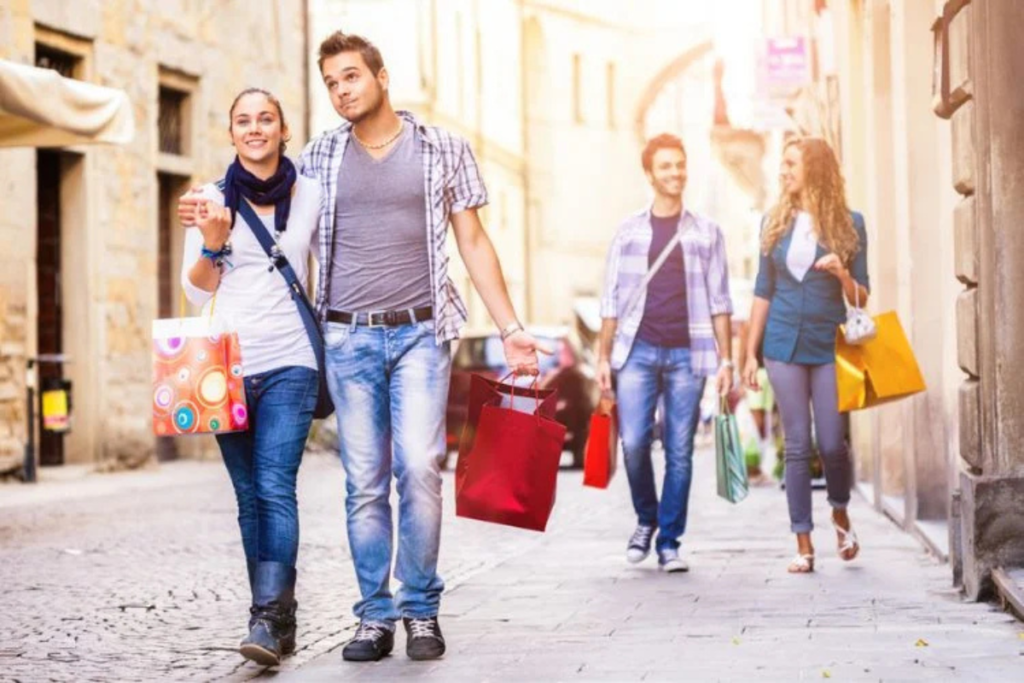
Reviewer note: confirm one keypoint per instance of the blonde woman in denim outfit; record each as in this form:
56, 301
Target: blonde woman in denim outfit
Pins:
813, 255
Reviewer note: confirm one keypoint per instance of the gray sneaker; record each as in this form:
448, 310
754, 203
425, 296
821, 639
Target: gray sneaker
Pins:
639, 544
669, 561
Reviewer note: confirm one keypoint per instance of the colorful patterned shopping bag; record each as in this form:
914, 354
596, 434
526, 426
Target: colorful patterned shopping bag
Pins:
197, 379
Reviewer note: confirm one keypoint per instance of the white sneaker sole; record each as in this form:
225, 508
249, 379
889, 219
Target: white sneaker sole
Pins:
639, 559
673, 568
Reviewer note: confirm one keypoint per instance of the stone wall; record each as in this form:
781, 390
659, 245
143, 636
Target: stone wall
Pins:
221, 48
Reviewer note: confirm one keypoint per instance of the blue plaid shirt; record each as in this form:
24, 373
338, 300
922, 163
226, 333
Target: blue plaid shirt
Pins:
707, 285
452, 183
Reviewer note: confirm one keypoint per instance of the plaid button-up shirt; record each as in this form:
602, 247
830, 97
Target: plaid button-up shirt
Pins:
707, 284
452, 183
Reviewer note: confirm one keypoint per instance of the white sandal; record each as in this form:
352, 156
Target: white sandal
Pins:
801, 564
848, 542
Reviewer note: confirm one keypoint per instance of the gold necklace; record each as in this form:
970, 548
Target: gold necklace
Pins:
382, 145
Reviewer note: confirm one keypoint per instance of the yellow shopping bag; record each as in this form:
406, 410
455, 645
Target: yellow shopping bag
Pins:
879, 371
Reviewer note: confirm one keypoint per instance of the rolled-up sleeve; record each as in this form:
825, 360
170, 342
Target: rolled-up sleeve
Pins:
466, 190
764, 285
717, 276
610, 292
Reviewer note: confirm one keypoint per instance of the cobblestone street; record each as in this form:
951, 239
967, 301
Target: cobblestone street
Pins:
140, 577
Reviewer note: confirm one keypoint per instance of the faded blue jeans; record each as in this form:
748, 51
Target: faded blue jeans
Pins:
390, 391
263, 461
653, 371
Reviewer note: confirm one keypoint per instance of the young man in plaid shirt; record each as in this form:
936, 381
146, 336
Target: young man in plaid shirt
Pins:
666, 323
393, 186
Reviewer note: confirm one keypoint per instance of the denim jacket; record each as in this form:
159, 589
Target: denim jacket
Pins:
804, 314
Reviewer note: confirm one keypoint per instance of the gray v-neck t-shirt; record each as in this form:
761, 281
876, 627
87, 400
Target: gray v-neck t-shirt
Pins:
380, 260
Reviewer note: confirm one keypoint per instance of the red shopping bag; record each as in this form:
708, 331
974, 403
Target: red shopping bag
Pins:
486, 392
509, 471
197, 379
602, 451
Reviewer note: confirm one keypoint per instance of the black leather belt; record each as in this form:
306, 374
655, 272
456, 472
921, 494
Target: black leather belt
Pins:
406, 316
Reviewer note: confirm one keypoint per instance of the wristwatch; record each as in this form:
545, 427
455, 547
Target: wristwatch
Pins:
510, 329
726, 363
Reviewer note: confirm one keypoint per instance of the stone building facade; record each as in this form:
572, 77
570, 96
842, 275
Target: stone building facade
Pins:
92, 250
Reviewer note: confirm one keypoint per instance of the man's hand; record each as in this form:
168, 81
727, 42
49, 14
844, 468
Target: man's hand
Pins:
604, 376
723, 380
521, 349
215, 223
188, 204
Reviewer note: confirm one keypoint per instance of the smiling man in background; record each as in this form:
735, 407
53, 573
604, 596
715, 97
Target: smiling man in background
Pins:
666, 315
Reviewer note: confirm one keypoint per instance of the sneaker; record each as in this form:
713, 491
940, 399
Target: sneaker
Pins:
669, 561
424, 638
372, 642
639, 544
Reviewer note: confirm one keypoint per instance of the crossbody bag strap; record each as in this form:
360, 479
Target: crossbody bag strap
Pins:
651, 272
280, 262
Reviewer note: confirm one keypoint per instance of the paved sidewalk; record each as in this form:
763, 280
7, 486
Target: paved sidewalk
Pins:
140, 577
568, 607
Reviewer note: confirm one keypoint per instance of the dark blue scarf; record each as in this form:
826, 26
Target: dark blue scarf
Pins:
276, 190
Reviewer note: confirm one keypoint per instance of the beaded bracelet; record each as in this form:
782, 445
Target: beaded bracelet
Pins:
216, 256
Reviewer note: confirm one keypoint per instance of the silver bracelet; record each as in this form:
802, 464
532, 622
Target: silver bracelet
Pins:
511, 329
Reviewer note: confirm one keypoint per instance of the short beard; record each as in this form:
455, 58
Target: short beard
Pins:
662, 190
371, 111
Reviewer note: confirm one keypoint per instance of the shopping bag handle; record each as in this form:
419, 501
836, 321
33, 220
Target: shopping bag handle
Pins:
723, 405
536, 396
182, 305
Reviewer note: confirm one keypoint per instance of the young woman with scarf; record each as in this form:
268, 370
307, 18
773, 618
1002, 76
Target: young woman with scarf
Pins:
226, 268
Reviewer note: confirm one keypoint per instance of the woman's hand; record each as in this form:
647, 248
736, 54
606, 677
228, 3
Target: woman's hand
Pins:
750, 369
831, 264
188, 206
215, 223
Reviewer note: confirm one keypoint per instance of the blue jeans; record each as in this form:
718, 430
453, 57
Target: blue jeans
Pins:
263, 461
651, 372
390, 391
803, 391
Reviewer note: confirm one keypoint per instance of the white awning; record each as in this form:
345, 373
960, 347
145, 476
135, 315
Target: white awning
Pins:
41, 108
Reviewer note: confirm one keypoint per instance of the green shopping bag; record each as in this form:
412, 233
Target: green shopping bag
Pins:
730, 464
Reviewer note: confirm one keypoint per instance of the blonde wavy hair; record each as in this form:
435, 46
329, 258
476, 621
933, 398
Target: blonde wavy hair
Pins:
823, 197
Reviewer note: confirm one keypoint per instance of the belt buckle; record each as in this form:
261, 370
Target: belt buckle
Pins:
380, 315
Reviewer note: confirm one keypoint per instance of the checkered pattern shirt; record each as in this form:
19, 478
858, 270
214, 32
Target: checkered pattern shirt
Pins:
707, 285
452, 183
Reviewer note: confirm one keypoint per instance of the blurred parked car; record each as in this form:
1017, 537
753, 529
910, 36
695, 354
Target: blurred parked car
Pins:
566, 371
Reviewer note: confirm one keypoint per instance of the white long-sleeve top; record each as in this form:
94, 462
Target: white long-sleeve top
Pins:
253, 300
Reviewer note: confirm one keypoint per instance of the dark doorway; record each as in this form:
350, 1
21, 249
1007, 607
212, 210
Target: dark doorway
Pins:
50, 320
169, 294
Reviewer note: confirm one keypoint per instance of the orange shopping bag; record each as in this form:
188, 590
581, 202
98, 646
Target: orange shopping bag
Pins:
881, 370
197, 379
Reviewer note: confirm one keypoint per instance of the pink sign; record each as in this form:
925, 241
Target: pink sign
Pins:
788, 62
